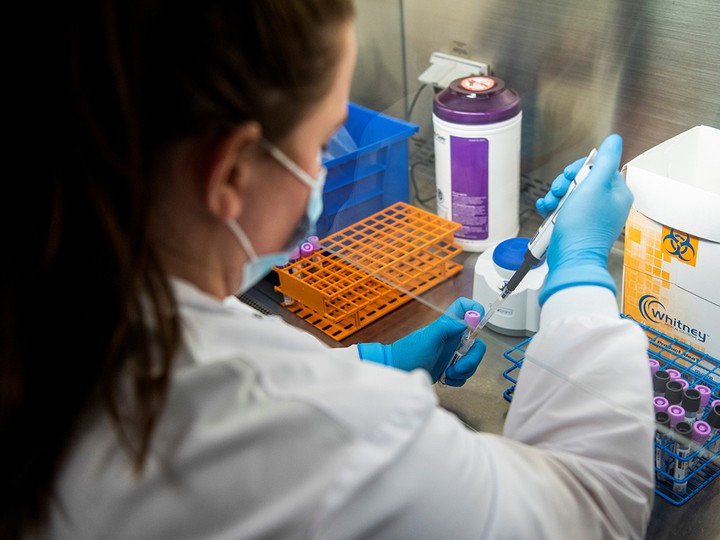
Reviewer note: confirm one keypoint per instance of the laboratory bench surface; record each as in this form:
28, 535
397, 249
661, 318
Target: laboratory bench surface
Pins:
480, 403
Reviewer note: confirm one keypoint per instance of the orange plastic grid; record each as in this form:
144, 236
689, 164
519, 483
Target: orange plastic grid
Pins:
366, 270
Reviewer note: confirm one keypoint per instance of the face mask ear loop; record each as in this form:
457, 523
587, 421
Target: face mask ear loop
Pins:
289, 164
242, 238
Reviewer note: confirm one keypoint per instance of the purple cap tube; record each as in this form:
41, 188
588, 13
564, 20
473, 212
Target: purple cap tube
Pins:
660, 379
701, 432
295, 254
714, 402
472, 318
674, 374
661, 403
677, 414
306, 249
684, 383
654, 366
705, 393
674, 392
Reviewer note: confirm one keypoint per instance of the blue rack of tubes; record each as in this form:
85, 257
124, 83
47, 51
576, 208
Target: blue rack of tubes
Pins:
682, 467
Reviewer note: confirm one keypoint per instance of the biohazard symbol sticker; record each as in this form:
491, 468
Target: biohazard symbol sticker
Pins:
680, 245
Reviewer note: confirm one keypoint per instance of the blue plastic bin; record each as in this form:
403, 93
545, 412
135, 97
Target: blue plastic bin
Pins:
370, 178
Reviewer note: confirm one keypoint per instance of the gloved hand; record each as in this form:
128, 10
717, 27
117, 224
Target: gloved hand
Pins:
588, 224
432, 347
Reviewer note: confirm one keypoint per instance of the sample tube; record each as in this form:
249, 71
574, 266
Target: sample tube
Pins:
315, 242
306, 250
654, 366
674, 374
660, 380
662, 420
472, 319
677, 414
700, 435
691, 404
661, 403
713, 420
674, 392
683, 432
294, 256
705, 394
684, 384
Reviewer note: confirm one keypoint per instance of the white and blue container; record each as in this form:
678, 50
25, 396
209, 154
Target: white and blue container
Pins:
477, 127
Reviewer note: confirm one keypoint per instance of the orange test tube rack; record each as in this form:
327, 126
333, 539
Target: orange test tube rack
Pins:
370, 268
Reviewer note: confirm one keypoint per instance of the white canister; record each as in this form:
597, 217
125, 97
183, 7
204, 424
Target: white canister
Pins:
477, 128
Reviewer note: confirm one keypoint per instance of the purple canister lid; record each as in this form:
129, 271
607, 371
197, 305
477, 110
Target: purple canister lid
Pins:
472, 318
661, 403
701, 432
476, 100
677, 414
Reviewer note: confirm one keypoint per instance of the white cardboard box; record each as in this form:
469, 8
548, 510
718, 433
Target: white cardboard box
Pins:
671, 266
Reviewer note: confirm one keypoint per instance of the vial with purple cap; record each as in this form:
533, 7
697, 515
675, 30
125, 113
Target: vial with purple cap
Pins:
700, 435
472, 319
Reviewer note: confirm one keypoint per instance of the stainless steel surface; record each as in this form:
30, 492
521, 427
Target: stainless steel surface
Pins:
480, 403
646, 69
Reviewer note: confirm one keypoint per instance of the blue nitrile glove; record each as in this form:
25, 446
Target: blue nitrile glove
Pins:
588, 224
432, 347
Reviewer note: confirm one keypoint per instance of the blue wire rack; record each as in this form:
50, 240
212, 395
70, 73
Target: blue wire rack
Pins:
696, 368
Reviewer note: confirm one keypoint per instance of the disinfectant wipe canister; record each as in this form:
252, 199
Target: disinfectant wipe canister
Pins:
477, 125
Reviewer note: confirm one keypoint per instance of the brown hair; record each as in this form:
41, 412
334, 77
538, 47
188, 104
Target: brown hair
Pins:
85, 301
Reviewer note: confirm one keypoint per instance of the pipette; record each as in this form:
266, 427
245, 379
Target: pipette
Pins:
535, 254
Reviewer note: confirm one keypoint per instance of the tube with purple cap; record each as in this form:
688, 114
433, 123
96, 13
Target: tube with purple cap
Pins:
654, 366
705, 394
661, 404
294, 256
677, 414
700, 435
472, 319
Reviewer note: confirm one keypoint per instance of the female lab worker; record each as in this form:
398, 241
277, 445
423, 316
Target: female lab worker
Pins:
184, 162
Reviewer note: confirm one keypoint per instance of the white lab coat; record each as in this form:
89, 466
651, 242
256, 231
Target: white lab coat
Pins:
270, 434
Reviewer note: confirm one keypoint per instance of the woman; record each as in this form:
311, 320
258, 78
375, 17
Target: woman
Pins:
185, 164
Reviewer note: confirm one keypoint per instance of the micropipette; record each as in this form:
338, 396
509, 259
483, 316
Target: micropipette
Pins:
535, 254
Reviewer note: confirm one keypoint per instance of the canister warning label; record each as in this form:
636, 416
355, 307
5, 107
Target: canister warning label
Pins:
477, 84
469, 183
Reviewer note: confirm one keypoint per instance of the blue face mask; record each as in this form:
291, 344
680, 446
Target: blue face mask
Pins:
259, 266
